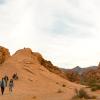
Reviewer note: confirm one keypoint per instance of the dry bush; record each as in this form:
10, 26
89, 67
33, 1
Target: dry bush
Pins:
95, 87
34, 97
63, 85
79, 94
59, 91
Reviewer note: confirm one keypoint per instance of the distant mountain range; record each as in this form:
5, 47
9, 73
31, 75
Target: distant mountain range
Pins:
79, 75
80, 70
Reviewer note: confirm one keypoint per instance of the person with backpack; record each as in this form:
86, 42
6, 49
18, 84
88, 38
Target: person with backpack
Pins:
15, 76
6, 79
11, 85
3, 85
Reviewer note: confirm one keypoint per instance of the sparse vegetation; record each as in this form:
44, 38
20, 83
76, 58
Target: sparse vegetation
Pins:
95, 87
91, 78
79, 94
34, 97
93, 83
59, 91
57, 83
73, 76
63, 85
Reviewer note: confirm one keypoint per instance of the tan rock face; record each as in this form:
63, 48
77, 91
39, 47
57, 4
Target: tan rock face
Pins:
36, 58
52, 68
4, 54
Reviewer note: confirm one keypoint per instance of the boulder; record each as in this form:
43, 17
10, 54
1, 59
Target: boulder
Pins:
4, 54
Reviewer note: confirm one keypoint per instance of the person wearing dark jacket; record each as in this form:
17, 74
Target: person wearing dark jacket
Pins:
3, 85
6, 79
15, 76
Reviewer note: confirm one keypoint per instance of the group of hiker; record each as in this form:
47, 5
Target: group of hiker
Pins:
5, 82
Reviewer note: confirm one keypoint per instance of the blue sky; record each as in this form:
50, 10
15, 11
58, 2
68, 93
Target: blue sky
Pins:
67, 32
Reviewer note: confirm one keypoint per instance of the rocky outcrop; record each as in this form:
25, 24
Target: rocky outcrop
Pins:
85, 76
80, 75
36, 58
52, 68
73, 76
4, 54
92, 75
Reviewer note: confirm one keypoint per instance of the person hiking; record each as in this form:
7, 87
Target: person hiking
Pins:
11, 85
15, 76
6, 79
3, 85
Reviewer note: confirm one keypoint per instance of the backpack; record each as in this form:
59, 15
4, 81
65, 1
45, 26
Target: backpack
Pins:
11, 84
3, 83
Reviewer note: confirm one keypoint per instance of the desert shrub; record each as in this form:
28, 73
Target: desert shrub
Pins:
57, 83
95, 87
92, 82
82, 94
59, 91
93, 97
34, 97
63, 85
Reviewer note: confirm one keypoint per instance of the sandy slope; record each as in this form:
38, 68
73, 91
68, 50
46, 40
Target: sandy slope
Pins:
35, 81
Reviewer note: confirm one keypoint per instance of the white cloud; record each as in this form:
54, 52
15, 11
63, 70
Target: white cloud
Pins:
64, 31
